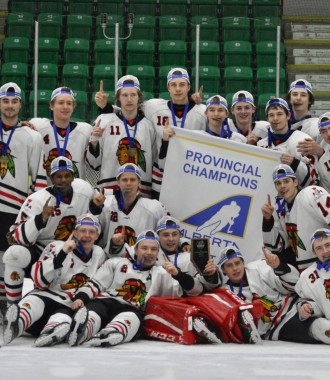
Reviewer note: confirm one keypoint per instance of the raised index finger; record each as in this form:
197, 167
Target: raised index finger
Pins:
48, 200
269, 201
101, 86
200, 91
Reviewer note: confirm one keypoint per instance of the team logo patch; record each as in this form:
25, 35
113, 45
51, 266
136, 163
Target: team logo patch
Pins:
227, 216
26, 305
77, 281
14, 276
131, 152
128, 232
64, 228
133, 291
53, 153
294, 239
6, 162
326, 284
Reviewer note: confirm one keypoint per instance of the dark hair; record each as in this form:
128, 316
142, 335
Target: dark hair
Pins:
311, 98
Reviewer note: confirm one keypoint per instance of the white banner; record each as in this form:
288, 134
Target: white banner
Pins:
216, 188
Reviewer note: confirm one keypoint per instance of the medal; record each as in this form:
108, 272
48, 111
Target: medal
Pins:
132, 152
4, 160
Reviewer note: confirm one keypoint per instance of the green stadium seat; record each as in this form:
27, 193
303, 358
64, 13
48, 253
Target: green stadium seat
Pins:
162, 76
80, 111
52, 6
145, 74
231, 8
94, 111
85, 7
266, 53
144, 26
229, 98
23, 6
209, 28
172, 27
172, 52
48, 50
209, 78
266, 8
76, 50
173, 7
205, 8
110, 30
114, 7
50, 25
75, 76
164, 95
15, 72
43, 97
238, 77
265, 28
266, 80
236, 29
237, 53
107, 74
104, 51
140, 52
20, 24
143, 7
16, 49
47, 75
79, 26
148, 95
209, 53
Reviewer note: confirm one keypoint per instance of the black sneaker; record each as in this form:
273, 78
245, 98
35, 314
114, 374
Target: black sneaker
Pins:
248, 328
53, 335
77, 327
10, 331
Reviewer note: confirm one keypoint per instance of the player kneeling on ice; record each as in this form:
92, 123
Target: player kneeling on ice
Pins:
62, 268
123, 287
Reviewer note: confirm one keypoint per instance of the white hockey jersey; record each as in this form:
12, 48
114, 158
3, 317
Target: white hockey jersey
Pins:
306, 171
308, 126
144, 214
60, 225
294, 228
77, 144
259, 128
323, 166
21, 164
61, 283
314, 287
119, 278
113, 150
275, 293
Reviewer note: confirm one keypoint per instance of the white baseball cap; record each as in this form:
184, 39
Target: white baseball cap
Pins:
301, 83
324, 120
167, 222
283, 171
177, 72
147, 235
277, 102
318, 234
60, 163
61, 90
88, 220
217, 100
10, 89
242, 96
128, 81
128, 168
229, 253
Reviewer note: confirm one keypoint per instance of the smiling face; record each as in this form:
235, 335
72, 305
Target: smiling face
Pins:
278, 119
287, 188
169, 239
9, 108
234, 269
62, 179
321, 248
216, 114
62, 107
87, 236
147, 252
243, 112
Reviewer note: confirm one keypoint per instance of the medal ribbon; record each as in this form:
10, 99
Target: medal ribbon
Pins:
5, 146
61, 151
185, 111
130, 139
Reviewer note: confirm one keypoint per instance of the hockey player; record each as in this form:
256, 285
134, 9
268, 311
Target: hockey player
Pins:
300, 99
62, 268
314, 289
63, 137
321, 150
126, 213
243, 109
287, 227
20, 157
123, 287
168, 230
125, 134
282, 138
47, 214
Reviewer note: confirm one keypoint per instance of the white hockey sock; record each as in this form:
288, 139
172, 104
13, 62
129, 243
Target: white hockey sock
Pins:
55, 320
93, 325
127, 323
320, 330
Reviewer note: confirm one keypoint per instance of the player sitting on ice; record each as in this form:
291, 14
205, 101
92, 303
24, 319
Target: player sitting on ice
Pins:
123, 287
62, 268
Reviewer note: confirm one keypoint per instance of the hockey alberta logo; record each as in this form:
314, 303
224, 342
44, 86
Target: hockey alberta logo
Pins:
226, 216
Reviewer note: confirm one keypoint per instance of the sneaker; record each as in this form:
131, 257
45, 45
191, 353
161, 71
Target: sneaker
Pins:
53, 335
106, 338
248, 328
77, 327
203, 331
10, 331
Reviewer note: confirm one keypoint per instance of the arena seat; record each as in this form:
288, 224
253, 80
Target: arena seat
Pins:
23, 6
143, 7
266, 53
265, 28
238, 77
50, 25
172, 52
231, 8
262, 101
209, 53
144, 26
162, 77
172, 27
173, 7
104, 51
15, 72
140, 52
266, 8
76, 50
146, 75
205, 8
209, 78
209, 28
79, 25
266, 80
236, 29
48, 50
164, 95
85, 7
113, 7
113, 19
43, 103
80, 111
16, 49
51, 6
237, 53
20, 24
75, 76
107, 74
47, 75
94, 111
